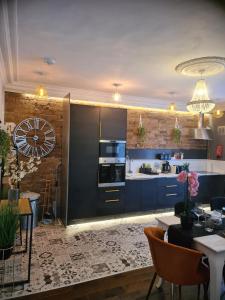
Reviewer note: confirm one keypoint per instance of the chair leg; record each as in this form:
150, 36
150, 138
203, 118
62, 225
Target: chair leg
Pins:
151, 285
205, 287
179, 287
172, 291
199, 287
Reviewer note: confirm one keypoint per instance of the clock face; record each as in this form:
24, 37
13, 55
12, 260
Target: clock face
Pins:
34, 137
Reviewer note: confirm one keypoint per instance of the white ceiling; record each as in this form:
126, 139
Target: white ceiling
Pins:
134, 42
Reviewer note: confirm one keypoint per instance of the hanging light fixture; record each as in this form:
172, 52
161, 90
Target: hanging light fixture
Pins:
41, 92
172, 107
218, 113
116, 95
200, 102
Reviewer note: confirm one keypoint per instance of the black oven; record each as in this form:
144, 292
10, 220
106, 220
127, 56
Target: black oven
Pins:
111, 173
112, 149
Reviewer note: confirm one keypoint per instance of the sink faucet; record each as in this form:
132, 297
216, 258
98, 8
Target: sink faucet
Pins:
129, 164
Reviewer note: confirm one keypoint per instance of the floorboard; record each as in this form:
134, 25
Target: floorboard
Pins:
131, 285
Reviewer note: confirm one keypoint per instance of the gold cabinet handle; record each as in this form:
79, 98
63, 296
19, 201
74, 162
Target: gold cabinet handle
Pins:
111, 191
169, 195
172, 185
112, 200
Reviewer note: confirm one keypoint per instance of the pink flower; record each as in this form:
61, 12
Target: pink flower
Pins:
193, 183
182, 176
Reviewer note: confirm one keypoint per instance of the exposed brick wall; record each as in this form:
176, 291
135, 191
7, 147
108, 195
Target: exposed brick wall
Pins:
19, 107
158, 127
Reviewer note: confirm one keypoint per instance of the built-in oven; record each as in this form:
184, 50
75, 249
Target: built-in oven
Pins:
112, 149
111, 172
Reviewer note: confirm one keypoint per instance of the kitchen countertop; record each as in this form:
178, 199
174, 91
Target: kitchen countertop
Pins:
141, 176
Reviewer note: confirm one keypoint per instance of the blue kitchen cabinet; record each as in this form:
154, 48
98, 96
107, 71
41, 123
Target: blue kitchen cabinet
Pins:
210, 186
169, 192
148, 194
133, 196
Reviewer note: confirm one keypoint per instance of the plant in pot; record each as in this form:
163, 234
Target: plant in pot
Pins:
9, 222
141, 132
176, 133
192, 185
5, 142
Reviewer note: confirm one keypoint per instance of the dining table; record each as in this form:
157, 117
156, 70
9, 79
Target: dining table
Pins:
213, 246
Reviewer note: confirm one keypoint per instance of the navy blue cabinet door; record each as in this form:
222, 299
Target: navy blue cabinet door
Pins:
113, 123
83, 164
133, 196
170, 191
149, 193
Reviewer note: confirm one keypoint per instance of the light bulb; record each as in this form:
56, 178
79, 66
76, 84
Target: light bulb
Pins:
116, 96
41, 92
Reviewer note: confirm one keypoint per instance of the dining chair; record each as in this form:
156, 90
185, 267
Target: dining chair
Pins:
175, 264
217, 202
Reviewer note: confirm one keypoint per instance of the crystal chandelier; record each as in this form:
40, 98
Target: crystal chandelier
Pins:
200, 102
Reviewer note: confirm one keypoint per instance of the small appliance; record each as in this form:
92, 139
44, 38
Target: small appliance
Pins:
166, 167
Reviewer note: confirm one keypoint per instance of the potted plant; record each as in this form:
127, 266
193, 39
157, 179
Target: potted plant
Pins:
176, 133
141, 131
5, 142
192, 184
9, 222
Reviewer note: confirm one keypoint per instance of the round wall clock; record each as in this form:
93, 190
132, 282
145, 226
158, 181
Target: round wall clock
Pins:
34, 137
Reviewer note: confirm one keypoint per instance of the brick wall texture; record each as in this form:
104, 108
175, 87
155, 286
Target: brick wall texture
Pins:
19, 107
158, 126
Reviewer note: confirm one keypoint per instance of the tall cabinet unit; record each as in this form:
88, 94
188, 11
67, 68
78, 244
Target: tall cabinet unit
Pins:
113, 124
89, 124
83, 161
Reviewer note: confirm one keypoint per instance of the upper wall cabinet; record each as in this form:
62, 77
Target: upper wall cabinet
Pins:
113, 123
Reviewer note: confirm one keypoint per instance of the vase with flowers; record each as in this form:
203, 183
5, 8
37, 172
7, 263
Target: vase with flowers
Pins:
16, 170
192, 185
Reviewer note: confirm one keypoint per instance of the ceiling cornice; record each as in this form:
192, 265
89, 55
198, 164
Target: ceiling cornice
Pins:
8, 39
90, 95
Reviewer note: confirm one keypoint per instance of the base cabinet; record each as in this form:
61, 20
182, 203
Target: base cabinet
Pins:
110, 201
170, 191
148, 195
133, 196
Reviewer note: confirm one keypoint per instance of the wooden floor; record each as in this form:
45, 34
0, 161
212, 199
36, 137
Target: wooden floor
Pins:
126, 286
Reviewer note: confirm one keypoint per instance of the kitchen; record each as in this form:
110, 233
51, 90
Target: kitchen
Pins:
98, 122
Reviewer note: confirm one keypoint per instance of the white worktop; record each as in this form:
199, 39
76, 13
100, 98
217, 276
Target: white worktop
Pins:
140, 176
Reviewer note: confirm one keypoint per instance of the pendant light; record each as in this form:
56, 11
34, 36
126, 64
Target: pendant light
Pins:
172, 107
41, 91
200, 102
116, 95
218, 113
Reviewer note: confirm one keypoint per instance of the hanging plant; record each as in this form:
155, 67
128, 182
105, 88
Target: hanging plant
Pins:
141, 131
176, 133
4, 144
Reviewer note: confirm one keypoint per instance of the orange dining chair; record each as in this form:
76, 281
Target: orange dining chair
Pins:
175, 264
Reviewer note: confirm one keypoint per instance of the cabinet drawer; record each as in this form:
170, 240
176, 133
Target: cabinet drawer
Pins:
111, 201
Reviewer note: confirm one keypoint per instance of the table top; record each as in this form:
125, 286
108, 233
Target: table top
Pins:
213, 242
168, 220
23, 206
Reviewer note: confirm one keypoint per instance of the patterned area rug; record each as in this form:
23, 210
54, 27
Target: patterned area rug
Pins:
63, 257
